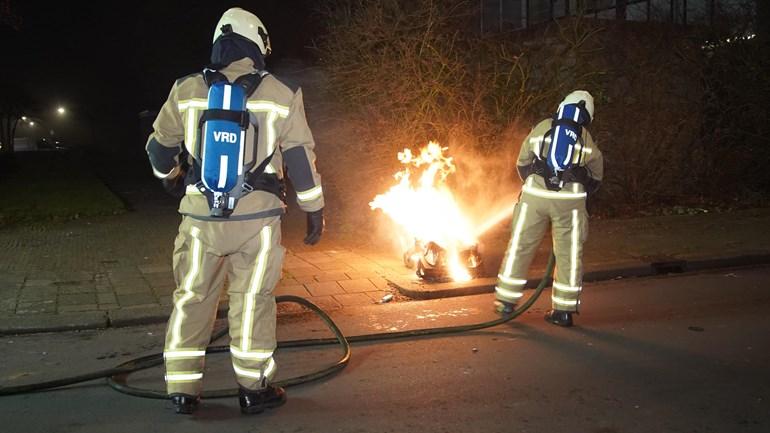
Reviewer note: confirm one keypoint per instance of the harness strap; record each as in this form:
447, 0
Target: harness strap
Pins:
239, 117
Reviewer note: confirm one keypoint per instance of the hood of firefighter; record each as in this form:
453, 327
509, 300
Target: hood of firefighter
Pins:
231, 47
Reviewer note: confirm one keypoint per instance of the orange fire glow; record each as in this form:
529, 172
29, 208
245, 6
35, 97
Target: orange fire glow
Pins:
424, 208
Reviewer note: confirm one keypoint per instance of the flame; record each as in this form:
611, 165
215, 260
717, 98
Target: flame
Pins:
424, 208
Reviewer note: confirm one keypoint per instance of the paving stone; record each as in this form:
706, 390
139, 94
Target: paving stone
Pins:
303, 271
350, 299
366, 268
378, 295
38, 283
335, 265
39, 293
67, 277
354, 275
379, 282
100, 288
125, 275
12, 278
166, 280
163, 290
135, 281
155, 269
8, 305
36, 308
129, 290
31, 323
320, 260
108, 307
310, 256
324, 289
295, 290
35, 297
166, 300
304, 279
326, 303
331, 276
106, 298
74, 289
356, 286
79, 299
344, 254
136, 299
138, 315
287, 281
39, 274
7, 289
76, 308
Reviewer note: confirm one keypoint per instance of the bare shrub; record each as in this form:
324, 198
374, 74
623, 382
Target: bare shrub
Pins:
674, 121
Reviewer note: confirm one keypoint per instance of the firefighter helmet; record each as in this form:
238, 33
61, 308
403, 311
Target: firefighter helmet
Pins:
246, 24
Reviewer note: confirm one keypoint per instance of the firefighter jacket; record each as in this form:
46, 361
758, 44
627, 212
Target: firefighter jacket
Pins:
586, 154
278, 112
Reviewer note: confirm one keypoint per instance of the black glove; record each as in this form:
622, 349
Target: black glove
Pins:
575, 174
175, 185
315, 226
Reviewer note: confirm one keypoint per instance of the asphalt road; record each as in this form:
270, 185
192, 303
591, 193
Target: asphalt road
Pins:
684, 353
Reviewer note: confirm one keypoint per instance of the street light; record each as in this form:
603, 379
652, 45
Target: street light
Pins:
76, 110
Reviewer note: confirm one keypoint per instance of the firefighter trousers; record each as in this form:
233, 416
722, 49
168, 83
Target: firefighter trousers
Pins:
249, 254
569, 228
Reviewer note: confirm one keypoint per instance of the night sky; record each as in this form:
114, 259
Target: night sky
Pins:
116, 59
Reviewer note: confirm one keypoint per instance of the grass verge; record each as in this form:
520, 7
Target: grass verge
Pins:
52, 186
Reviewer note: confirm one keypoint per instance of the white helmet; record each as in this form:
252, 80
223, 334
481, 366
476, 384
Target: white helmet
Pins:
577, 96
246, 24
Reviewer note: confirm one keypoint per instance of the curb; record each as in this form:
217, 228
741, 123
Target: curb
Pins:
486, 285
54, 323
91, 320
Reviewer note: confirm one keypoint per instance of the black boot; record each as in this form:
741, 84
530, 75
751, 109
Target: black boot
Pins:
558, 317
256, 401
184, 403
504, 308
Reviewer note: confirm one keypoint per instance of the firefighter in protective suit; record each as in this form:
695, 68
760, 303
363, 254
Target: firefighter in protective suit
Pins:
245, 246
554, 191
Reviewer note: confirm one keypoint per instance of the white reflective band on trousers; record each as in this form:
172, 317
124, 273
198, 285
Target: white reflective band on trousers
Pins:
505, 293
176, 326
177, 354
566, 288
573, 256
511, 281
565, 302
183, 377
508, 270
257, 281
255, 374
259, 355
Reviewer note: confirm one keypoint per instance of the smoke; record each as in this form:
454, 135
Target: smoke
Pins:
486, 183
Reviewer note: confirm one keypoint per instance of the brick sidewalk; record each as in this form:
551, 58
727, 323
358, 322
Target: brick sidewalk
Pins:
117, 270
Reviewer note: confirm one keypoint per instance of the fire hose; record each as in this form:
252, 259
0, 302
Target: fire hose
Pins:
117, 376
